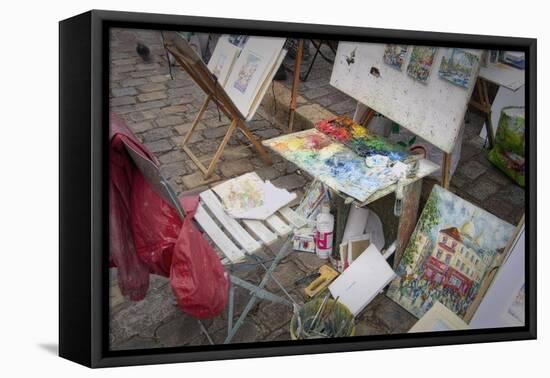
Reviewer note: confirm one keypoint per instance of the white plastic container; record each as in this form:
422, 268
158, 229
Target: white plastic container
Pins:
324, 232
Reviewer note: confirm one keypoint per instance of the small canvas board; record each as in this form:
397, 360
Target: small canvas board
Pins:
438, 318
394, 55
223, 59
351, 249
457, 66
421, 62
363, 280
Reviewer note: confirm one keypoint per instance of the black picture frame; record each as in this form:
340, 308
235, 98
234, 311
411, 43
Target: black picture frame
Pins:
83, 196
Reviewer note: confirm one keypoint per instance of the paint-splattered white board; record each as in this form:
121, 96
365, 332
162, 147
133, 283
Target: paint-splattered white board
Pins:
433, 110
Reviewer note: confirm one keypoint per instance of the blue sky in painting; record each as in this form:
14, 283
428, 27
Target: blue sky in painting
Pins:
455, 211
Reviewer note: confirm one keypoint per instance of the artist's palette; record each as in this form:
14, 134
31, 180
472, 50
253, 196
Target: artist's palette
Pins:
332, 163
357, 137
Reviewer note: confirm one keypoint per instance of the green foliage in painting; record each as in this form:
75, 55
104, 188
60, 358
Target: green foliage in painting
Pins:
428, 220
430, 215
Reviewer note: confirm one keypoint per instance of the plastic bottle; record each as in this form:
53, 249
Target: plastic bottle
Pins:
324, 232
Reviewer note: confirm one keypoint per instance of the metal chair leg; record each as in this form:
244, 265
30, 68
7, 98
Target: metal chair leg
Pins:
280, 255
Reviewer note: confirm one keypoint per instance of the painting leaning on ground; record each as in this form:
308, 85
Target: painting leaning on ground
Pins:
236, 217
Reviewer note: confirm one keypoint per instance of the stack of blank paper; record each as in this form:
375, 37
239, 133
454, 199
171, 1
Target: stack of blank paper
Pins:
363, 280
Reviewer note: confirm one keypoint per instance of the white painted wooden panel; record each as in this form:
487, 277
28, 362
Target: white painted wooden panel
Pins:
261, 231
278, 225
433, 110
291, 216
216, 234
231, 225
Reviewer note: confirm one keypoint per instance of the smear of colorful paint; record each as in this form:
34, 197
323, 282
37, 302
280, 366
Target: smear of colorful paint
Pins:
359, 139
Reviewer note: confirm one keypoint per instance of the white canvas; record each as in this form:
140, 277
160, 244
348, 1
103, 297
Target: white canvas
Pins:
363, 280
500, 306
263, 87
251, 69
222, 59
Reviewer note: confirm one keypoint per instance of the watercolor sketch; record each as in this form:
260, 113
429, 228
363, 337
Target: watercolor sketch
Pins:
420, 65
332, 163
242, 193
357, 137
246, 72
457, 66
394, 55
451, 250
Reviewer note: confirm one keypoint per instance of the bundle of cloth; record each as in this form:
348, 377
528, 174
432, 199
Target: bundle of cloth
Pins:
148, 236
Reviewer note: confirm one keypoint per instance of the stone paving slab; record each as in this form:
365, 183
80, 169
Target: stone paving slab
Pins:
160, 109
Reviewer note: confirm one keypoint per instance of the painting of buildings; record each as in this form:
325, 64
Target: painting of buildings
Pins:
394, 55
421, 62
457, 66
453, 247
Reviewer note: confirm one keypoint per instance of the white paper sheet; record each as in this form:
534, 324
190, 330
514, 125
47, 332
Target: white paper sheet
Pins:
499, 305
251, 69
363, 280
223, 59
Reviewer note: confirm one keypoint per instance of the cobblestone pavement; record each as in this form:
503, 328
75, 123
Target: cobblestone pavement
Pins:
160, 110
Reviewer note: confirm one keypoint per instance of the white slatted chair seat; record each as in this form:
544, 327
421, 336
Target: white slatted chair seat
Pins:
236, 238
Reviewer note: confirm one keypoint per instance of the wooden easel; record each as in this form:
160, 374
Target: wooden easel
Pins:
483, 104
199, 72
295, 84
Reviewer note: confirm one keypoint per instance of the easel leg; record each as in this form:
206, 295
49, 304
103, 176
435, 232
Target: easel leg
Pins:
317, 50
295, 84
368, 118
446, 171
408, 218
196, 121
488, 120
484, 106
219, 151
264, 155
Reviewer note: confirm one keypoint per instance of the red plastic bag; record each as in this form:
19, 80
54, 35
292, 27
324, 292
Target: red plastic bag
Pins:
197, 277
156, 226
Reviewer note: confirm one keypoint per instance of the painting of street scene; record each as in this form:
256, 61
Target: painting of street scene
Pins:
246, 72
420, 65
394, 55
453, 247
457, 66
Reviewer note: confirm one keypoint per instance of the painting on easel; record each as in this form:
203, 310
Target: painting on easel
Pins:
457, 66
454, 246
394, 55
246, 72
420, 65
